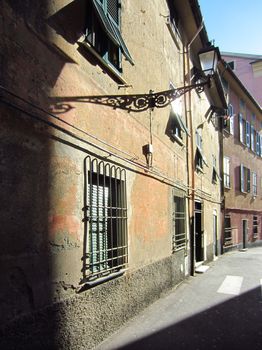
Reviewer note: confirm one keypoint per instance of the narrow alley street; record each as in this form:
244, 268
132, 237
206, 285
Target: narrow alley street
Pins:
220, 309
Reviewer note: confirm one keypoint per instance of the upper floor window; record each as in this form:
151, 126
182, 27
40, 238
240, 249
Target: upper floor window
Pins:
103, 31
176, 126
231, 64
257, 143
173, 23
242, 128
199, 158
254, 182
226, 172
229, 121
244, 179
248, 134
242, 106
252, 138
215, 172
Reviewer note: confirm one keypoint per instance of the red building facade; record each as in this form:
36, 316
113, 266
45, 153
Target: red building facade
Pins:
242, 165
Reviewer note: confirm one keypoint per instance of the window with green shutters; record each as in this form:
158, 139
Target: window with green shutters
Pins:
105, 219
103, 31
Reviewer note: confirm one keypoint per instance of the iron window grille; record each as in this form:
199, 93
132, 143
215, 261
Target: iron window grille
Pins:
106, 219
228, 239
103, 31
179, 223
255, 226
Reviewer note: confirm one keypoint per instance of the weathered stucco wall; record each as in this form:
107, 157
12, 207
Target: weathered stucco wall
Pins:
42, 172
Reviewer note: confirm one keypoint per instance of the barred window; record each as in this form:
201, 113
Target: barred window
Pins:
179, 222
255, 226
106, 218
228, 241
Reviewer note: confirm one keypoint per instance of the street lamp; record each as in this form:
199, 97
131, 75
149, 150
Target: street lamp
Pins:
208, 58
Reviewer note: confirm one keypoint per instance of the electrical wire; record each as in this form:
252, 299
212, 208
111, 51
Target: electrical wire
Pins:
164, 178
65, 122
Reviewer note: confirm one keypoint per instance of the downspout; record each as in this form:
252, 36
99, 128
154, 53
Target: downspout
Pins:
190, 157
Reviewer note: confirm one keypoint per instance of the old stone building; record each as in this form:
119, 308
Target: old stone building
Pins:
108, 201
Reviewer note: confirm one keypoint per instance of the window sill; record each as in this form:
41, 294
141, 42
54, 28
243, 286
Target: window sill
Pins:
87, 284
227, 188
105, 64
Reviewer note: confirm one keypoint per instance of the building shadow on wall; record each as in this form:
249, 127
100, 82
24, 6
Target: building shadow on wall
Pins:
234, 324
31, 69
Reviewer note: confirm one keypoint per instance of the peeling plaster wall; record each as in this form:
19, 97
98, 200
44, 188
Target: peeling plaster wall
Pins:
42, 172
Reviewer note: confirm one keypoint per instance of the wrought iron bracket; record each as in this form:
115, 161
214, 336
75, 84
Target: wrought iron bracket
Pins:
141, 102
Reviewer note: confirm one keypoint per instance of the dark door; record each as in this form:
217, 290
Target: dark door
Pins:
244, 233
199, 249
215, 234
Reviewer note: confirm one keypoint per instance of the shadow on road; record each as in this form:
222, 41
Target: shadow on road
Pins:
234, 324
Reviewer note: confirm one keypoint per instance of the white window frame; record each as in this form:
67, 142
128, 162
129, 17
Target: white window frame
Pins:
241, 128
248, 134
226, 165
245, 176
231, 116
252, 138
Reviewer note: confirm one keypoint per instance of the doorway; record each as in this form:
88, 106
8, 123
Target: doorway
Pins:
199, 239
215, 234
245, 232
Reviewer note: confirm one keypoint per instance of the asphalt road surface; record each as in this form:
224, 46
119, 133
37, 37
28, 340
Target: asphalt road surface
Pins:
220, 309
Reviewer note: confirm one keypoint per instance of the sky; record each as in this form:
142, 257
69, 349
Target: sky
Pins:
235, 25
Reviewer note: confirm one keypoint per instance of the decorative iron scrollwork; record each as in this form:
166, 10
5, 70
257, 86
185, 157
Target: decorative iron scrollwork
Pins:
142, 102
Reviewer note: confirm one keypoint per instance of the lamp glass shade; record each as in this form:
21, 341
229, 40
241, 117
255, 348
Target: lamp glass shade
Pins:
208, 60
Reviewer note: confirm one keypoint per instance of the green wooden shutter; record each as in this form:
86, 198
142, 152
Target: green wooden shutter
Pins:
98, 227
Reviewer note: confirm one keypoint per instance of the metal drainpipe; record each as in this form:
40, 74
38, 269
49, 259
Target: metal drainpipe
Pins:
188, 109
